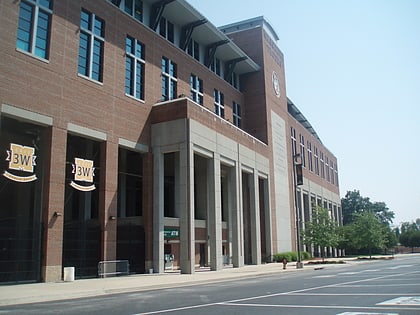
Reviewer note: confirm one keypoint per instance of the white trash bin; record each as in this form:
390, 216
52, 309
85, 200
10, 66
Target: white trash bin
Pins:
68, 274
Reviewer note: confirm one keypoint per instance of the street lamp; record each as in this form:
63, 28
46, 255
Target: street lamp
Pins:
297, 181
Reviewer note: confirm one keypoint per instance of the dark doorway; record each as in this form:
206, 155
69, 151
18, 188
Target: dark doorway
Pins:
23, 151
82, 235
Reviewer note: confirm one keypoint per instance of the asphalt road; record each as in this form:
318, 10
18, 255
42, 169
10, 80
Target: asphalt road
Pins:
379, 287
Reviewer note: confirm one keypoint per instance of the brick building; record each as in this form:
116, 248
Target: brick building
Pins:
131, 130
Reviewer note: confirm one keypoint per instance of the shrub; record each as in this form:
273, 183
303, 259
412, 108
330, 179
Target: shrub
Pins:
290, 256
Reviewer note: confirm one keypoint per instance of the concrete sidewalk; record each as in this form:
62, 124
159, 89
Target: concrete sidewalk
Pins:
45, 292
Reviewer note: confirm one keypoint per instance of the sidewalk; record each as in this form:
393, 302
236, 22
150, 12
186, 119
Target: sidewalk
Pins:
54, 291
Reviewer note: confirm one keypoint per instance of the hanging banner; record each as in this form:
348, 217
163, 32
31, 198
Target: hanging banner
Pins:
83, 171
21, 158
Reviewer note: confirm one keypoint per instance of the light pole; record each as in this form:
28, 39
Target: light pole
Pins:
297, 181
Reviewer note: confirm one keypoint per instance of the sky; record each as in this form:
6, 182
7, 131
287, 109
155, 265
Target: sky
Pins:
353, 69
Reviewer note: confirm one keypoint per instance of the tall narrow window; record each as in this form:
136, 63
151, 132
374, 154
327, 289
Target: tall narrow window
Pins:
169, 79
215, 66
237, 115
321, 164
33, 34
310, 161
293, 137
134, 8
134, 68
336, 174
234, 80
193, 49
167, 30
91, 46
196, 85
316, 161
302, 150
219, 103
327, 169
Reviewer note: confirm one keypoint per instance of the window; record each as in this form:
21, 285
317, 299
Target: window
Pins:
302, 150
336, 174
316, 161
215, 66
169, 81
196, 85
327, 169
33, 34
134, 68
332, 172
293, 136
321, 164
237, 114
234, 80
91, 46
219, 103
310, 161
193, 49
134, 8
166, 29
130, 183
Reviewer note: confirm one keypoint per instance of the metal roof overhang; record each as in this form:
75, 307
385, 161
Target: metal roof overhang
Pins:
297, 114
180, 12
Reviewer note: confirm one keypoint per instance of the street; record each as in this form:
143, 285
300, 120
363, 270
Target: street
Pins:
375, 287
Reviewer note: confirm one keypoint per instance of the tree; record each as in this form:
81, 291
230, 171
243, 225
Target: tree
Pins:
353, 204
410, 234
366, 231
322, 230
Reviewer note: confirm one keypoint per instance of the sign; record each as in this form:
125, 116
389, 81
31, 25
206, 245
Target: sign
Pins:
21, 158
171, 233
83, 171
276, 83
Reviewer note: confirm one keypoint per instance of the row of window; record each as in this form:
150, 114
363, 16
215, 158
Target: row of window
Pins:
166, 29
34, 34
314, 159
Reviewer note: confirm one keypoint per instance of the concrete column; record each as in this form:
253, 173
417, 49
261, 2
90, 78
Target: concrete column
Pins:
214, 208
268, 221
158, 210
186, 204
255, 218
235, 207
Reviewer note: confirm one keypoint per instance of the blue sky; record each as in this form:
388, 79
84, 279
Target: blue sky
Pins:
353, 69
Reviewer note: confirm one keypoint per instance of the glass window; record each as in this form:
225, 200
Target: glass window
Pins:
166, 29
134, 68
219, 103
293, 137
33, 34
134, 8
237, 114
91, 45
169, 79
215, 66
194, 49
196, 85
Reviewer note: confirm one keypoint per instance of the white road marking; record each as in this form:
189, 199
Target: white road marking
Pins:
236, 302
403, 300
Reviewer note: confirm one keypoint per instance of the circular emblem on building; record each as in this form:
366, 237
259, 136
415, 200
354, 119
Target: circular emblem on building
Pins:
276, 83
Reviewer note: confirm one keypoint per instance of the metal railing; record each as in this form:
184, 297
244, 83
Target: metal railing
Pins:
113, 268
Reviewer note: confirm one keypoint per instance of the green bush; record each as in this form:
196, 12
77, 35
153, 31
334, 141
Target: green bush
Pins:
290, 256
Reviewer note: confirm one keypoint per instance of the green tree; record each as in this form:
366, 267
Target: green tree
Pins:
410, 234
366, 232
353, 204
322, 230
